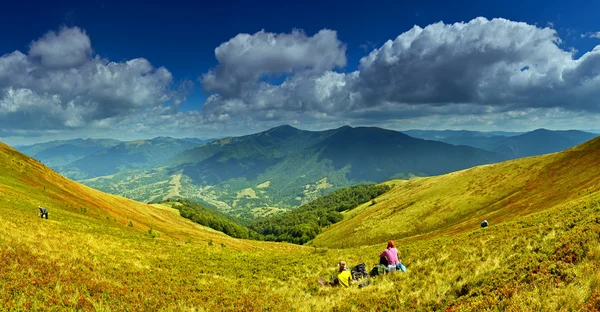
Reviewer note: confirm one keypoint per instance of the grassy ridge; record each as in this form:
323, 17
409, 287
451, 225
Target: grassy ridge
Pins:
80, 260
457, 202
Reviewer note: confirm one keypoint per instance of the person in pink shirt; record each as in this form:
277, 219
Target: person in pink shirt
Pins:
391, 255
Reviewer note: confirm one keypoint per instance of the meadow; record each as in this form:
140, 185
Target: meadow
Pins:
106, 253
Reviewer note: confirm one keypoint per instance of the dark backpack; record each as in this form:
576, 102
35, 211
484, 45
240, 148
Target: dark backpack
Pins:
359, 271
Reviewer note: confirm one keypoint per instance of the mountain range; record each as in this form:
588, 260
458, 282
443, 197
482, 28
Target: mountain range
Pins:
540, 142
264, 173
284, 167
510, 144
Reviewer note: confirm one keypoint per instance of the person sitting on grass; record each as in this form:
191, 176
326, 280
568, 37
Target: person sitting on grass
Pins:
391, 255
43, 212
343, 277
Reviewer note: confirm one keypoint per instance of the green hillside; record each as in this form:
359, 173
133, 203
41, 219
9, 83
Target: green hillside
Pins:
284, 167
99, 252
458, 201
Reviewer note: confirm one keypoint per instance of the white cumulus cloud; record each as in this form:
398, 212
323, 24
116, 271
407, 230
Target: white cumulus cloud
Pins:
246, 58
60, 84
69, 48
469, 68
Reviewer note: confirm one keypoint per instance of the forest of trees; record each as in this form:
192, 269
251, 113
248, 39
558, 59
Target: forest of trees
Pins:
214, 219
305, 222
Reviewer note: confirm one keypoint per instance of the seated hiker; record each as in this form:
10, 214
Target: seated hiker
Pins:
391, 256
484, 223
343, 277
43, 212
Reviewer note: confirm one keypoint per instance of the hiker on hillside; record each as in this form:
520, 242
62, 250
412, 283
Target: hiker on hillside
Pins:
484, 223
43, 212
390, 255
344, 276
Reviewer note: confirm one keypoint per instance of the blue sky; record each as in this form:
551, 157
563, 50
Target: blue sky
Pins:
181, 37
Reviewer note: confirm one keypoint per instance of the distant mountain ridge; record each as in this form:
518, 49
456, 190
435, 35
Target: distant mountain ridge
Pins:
126, 155
476, 139
540, 141
86, 158
62, 152
510, 144
284, 167
260, 174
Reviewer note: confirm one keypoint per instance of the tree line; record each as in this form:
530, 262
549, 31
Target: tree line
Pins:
305, 223
214, 219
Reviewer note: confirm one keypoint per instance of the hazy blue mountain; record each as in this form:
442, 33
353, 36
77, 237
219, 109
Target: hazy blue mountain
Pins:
374, 153
126, 155
476, 139
283, 167
540, 142
509, 144
59, 153
198, 141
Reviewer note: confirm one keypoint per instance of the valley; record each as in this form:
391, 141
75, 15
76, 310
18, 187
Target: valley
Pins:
285, 167
95, 248
274, 171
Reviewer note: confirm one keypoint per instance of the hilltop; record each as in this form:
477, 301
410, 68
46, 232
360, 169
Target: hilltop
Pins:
87, 257
284, 167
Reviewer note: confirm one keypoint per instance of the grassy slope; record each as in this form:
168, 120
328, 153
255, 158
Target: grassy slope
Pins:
77, 260
80, 259
459, 201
